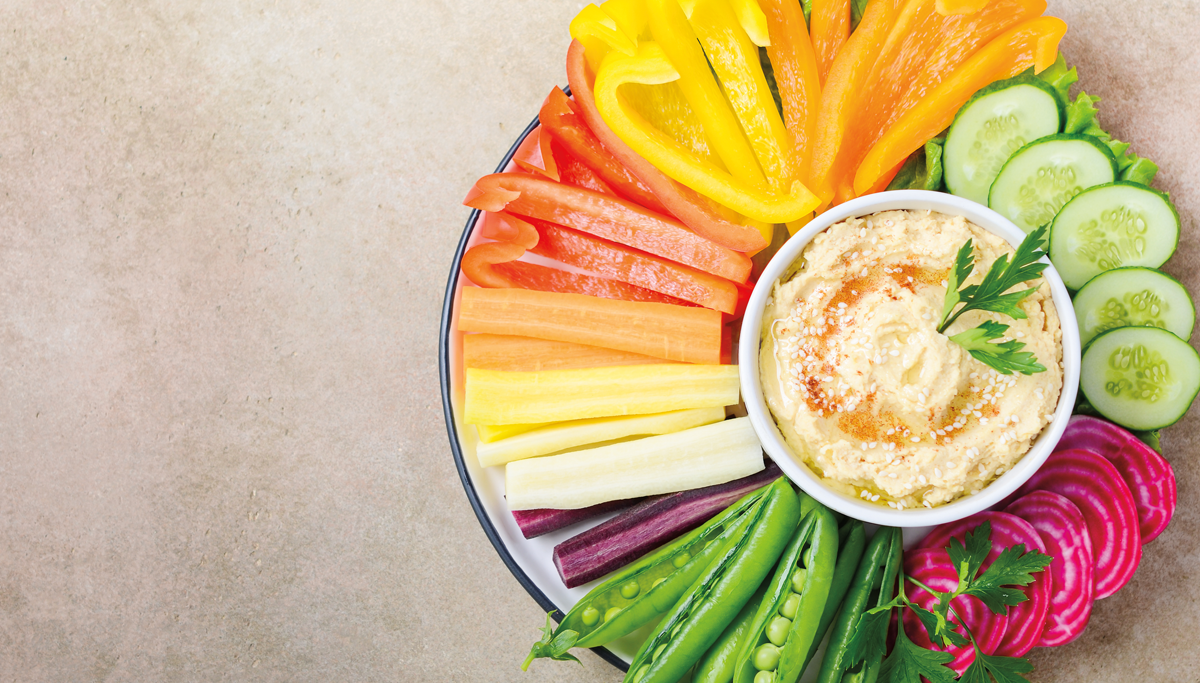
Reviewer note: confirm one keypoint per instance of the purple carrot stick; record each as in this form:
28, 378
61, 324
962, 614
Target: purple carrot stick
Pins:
646, 526
534, 523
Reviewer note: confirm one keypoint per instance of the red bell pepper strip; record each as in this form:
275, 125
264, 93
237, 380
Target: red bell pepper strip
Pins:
573, 171
495, 265
618, 262
607, 217
561, 121
699, 213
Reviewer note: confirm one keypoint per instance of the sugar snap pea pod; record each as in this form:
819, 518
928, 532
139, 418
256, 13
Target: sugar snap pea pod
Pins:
643, 590
852, 538
874, 584
717, 664
786, 622
697, 620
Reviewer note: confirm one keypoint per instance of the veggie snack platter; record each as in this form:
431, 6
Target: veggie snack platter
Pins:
588, 340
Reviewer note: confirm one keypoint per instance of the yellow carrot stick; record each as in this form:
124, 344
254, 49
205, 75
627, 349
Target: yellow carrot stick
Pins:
500, 398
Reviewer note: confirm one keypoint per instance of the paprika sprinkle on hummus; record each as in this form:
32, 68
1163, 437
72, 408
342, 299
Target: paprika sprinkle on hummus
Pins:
865, 389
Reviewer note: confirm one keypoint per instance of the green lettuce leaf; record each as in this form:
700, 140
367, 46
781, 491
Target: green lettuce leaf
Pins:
922, 170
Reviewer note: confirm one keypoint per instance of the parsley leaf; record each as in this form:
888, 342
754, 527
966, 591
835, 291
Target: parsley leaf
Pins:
989, 294
1003, 669
869, 640
1014, 567
1006, 357
909, 662
969, 558
964, 264
553, 647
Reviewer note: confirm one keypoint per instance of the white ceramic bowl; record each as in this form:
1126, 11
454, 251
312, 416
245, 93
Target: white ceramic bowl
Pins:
764, 422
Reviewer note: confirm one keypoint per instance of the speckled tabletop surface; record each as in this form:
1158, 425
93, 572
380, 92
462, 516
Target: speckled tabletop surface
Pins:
225, 231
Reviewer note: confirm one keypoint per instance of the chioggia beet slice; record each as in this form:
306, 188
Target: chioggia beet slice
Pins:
647, 525
931, 566
1064, 531
1147, 474
1097, 489
1026, 621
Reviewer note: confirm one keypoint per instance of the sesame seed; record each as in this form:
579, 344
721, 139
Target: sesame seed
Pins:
916, 439
874, 497
921, 478
937, 473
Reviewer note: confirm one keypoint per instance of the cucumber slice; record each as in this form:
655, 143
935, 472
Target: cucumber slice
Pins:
1043, 175
1134, 297
1109, 226
1140, 377
995, 123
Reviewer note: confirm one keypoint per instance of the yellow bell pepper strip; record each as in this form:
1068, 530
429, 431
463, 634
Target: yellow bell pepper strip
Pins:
701, 214
607, 217
652, 66
679, 49
795, 64
599, 32
949, 7
842, 91
830, 28
734, 58
753, 20
1031, 44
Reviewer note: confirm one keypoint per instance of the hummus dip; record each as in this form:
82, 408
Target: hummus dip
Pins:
869, 394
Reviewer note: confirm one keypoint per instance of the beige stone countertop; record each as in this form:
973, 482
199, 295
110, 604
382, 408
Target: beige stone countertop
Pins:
225, 232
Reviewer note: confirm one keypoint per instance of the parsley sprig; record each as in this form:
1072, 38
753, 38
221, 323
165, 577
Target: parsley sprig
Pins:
997, 588
991, 294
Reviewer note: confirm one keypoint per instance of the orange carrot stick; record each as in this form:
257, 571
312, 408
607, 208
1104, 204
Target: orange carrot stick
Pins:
1031, 44
525, 354
691, 335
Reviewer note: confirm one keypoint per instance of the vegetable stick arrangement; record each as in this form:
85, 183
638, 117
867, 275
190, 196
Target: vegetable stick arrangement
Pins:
616, 257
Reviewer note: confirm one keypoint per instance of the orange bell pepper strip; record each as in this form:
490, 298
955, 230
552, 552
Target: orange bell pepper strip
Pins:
1031, 44
561, 121
830, 29
651, 65
495, 265
972, 31
795, 64
734, 58
621, 263
919, 37
704, 216
611, 218
952, 7
842, 91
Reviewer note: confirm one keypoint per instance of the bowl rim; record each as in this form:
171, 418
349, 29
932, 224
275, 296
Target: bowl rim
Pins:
764, 423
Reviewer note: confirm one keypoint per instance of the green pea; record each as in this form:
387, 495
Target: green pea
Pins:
808, 561
658, 652
612, 612
656, 582
790, 606
777, 632
681, 559
798, 578
590, 616
640, 673
675, 631
766, 657
764, 677
630, 590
